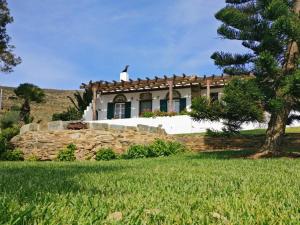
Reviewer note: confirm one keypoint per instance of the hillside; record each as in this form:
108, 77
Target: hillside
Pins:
56, 101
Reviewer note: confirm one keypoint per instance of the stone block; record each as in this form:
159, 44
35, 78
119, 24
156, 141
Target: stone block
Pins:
142, 128
29, 127
153, 129
117, 127
131, 128
56, 125
98, 126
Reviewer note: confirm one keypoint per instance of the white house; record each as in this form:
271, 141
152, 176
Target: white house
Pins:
124, 102
132, 98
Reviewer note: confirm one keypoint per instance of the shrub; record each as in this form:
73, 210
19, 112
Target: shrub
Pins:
105, 154
148, 114
159, 113
15, 108
156, 149
159, 148
69, 115
176, 147
164, 148
136, 151
33, 158
15, 155
67, 154
9, 119
3, 144
10, 132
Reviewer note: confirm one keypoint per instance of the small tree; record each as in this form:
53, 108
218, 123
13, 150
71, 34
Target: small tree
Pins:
30, 93
82, 100
7, 58
241, 103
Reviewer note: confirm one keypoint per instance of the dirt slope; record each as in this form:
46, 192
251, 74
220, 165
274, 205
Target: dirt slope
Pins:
56, 101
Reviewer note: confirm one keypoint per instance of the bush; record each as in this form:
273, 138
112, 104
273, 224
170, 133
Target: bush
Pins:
67, 154
9, 119
158, 113
105, 154
176, 147
3, 144
10, 132
165, 148
15, 155
136, 152
156, 149
69, 115
33, 158
148, 114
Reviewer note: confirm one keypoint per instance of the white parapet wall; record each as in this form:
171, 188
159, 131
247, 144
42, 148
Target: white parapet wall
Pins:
174, 125
179, 124
88, 113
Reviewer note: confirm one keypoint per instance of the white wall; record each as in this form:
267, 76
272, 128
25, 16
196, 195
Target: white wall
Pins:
134, 98
180, 124
88, 113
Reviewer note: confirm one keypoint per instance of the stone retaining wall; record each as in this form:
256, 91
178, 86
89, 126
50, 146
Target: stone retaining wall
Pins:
204, 143
63, 125
46, 144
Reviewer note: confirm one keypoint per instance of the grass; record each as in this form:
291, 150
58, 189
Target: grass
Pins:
206, 188
254, 132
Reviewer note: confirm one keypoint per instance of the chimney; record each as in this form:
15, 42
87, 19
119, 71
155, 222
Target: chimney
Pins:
124, 74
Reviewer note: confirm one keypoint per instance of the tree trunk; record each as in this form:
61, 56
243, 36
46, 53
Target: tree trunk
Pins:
276, 131
25, 112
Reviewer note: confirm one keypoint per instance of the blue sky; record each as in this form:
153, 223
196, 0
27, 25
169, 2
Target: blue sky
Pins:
65, 43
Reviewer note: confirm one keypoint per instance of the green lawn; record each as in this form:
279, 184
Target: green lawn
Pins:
206, 188
289, 130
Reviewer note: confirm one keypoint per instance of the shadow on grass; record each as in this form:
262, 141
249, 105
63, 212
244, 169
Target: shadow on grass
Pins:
32, 181
227, 154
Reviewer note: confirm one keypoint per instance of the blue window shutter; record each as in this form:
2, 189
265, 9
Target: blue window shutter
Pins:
110, 110
182, 104
127, 109
163, 105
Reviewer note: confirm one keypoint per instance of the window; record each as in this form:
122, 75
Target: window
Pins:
145, 102
119, 111
120, 106
176, 95
120, 98
145, 106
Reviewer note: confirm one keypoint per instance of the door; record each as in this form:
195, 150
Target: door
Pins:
119, 111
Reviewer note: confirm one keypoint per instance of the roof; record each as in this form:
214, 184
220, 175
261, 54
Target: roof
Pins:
158, 83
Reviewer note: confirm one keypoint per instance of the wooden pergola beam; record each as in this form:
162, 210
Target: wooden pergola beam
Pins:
157, 83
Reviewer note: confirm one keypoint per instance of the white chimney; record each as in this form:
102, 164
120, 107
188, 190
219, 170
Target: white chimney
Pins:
124, 76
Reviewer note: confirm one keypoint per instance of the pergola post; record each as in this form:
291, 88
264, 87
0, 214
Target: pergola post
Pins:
208, 90
94, 89
170, 106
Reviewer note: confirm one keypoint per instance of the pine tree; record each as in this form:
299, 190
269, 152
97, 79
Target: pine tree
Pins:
270, 30
8, 59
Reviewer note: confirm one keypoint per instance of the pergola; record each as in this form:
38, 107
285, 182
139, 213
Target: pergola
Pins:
158, 83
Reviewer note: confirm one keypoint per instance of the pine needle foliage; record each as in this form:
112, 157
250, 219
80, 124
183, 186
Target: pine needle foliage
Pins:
270, 32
